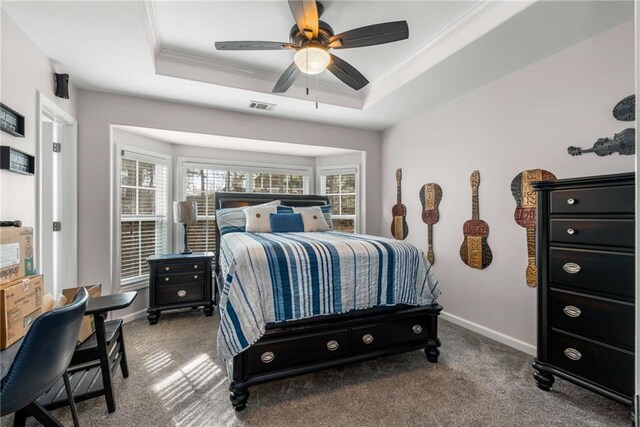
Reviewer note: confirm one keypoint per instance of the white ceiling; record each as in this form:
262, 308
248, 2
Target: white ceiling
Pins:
164, 50
231, 143
193, 28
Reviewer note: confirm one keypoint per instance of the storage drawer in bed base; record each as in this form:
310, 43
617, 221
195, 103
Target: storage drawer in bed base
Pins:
297, 350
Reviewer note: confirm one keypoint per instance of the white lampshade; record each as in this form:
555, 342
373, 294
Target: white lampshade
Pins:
312, 60
185, 212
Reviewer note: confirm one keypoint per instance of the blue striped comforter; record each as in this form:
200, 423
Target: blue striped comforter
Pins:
276, 277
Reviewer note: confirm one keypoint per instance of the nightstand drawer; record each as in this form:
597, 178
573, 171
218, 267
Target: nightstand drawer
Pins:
610, 274
597, 232
604, 365
175, 279
605, 200
182, 267
599, 319
177, 294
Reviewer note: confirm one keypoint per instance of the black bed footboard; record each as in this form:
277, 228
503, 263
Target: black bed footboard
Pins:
298, 349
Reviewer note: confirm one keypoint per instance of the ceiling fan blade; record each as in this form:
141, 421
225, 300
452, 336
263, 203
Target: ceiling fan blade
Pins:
252, 45
286, 79
345, 72
371, 35
305, 12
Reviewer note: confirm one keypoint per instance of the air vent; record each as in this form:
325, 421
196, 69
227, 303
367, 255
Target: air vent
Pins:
257, 105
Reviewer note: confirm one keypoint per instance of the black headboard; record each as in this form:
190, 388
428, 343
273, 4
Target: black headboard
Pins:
237, 200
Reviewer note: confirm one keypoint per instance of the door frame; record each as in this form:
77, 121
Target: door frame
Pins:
48, 107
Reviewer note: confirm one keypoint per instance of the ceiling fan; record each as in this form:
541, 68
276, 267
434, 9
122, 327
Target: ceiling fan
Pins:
312, 38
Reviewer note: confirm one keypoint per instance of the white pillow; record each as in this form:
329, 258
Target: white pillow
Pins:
313, 218
258, 217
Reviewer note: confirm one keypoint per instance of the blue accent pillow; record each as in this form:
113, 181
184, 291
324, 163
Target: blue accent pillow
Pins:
326, 211
286, 223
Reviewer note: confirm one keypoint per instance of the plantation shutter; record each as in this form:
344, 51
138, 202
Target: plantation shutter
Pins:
201, 181
341, 186
144, 208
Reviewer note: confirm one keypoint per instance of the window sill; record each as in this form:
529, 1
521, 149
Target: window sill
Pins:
133, 287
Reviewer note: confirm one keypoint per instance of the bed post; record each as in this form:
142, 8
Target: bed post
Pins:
238, 391
433, 342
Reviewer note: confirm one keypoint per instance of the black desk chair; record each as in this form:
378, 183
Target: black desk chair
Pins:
41, 361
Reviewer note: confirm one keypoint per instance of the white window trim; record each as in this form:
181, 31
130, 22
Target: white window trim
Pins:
183, 163
343, 169
144, 155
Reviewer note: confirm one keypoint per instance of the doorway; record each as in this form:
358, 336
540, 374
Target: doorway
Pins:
57, 196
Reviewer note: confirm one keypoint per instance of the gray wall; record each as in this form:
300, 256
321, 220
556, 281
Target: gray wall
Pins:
25, 72
523, 121
98, 111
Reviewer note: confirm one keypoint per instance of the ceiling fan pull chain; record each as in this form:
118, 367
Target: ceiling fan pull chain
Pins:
316, 91
307, 73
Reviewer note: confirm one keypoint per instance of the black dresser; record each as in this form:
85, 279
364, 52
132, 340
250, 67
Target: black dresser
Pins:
179, 281
586, 291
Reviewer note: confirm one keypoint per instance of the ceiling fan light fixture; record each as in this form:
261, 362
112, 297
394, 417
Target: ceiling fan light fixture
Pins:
312, 60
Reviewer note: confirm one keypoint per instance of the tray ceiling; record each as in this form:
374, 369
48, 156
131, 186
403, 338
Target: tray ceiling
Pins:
164, 50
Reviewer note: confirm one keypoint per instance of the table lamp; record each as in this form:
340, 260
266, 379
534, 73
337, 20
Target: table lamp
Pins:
185, 213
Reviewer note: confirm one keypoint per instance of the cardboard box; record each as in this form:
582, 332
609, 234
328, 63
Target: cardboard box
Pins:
20, 305
88, 324
16, 253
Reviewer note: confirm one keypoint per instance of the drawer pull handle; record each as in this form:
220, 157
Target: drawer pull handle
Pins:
167, 268
367, 339
417, 329
333, 345
267, 357
572, 311
195, 266
571, 201
571, 268
195, 276
166, 279
571, 231
182, 293
572, 353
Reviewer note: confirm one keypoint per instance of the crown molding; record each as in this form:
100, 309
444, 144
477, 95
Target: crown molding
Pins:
471, 14
150, 27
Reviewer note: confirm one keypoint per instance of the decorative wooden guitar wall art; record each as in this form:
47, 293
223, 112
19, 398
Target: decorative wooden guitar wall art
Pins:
399, 227
625, 110
623, 143
525, 214
475, 250
430, 197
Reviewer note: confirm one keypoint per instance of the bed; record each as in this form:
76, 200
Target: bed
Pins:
277, 320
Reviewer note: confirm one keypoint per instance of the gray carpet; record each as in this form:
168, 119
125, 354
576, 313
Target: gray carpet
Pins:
177, 380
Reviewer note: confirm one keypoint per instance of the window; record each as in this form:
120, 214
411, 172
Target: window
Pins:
342, 188
201, 181
143, 214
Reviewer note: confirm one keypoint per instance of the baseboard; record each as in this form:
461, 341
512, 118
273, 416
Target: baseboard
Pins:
134, 316
490, 333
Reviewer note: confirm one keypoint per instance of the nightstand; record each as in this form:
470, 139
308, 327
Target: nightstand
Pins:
179, 281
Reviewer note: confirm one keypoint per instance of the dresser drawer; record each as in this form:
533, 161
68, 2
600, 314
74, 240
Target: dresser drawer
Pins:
178, 294
609, 274
366, 338
181, 267
599, 319
598, 232
600, 200
175, 279
604, 365
275, 355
